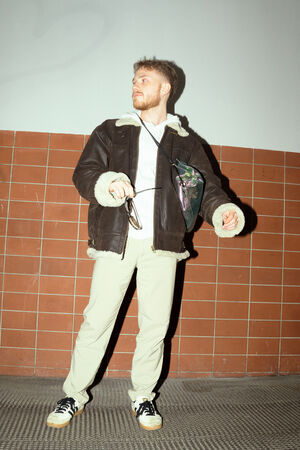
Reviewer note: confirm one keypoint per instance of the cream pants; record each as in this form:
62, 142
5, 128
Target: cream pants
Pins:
111, 277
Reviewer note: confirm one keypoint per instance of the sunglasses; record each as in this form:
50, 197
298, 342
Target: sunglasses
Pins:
131, 210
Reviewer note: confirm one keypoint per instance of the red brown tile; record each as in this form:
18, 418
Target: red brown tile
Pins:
31, 139
290, 346
120, 361
292, 225
232, 310
18, 338
241, 188
238, 242
56, 285
21, 174
237, 154
55, 322
61, 212
292, 159
289, 364
268, 258
19, 320
197, 291
22, 264
55, 341
56, 303
26, 210
237, 292
265, 364
291, 276
265, 311
269, 224
24, 228
291, 312
59, 267
197, 309
59, 248
197, 327
291, 294
292, 208
292, 175
274, 158
230, 346
231, 328
268, 190
58, 359
6, 137
85, 268
268, 173
19, 301
195, 363
237, 171
62, 194
268, 207
232, 364
5, 155
235, 275
292, 191
292, 242
267, 241
258, 346
66, 141
60, 158
58, 176
262, 328
17, 356
232, 257
205, 238
60, 230
21, 283
27, 192
23, 246
17, 371
30, 157
200, 273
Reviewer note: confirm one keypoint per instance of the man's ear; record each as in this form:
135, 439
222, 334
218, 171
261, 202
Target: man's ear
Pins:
165, 88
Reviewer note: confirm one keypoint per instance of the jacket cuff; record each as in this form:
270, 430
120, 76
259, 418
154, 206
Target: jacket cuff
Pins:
101, 190
217, 220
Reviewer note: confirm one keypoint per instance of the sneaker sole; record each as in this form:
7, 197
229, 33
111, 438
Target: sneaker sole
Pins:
61, 425
155, 427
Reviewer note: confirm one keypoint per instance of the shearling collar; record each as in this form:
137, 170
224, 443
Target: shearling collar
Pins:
129, 119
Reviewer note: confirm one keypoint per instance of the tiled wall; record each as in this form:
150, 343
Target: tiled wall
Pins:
240, 309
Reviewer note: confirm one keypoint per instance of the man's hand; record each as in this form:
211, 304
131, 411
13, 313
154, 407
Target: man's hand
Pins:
230, 220
121, 189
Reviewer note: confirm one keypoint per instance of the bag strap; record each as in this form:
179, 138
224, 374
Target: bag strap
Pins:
156, 142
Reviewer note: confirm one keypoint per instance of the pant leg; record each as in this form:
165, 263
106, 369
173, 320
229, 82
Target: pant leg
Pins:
110, 281
155, 289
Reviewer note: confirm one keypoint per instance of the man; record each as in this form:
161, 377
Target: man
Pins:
121, 161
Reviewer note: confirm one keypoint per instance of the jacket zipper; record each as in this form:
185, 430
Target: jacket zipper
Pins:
137, 163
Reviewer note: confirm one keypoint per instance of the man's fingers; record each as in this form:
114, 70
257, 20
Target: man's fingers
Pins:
121, 189
230, 220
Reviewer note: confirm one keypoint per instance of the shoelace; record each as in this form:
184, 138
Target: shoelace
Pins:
66, 404
146, 407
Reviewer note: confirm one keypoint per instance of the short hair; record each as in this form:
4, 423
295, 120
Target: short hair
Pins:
166, 68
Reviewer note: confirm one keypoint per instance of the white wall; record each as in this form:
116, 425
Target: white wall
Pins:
66, 65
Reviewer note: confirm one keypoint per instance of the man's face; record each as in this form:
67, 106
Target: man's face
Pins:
147, 89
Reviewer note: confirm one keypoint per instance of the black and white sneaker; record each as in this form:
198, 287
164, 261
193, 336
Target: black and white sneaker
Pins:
65, 410
146, 414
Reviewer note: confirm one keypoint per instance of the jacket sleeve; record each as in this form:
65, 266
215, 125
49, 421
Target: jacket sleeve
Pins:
215, 201
91, 176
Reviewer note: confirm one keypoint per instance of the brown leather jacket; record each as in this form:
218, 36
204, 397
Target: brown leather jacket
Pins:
114, 147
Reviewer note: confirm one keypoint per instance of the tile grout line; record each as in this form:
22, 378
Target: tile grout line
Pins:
250, 276
282, 272
5, 238
41, 258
